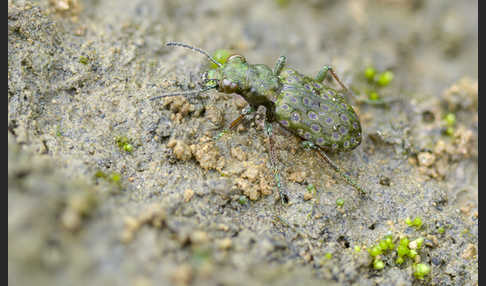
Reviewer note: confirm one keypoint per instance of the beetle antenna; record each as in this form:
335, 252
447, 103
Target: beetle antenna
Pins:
185, 93
194, 49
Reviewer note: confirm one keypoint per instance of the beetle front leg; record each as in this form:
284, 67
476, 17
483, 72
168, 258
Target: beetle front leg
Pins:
348, 179
279, 65
246, 111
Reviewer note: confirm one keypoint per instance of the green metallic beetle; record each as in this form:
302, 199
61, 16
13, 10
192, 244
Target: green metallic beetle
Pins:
302, 105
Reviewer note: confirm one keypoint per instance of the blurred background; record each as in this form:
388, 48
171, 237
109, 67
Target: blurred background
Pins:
109, 188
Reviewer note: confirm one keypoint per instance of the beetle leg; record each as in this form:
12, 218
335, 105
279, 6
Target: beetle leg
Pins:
279, 65
273, 162
246, 111
348, 179
323, 73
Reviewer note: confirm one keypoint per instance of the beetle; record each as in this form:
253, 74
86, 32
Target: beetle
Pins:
305, 106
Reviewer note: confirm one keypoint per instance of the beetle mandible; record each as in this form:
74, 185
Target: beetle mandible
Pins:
303, 105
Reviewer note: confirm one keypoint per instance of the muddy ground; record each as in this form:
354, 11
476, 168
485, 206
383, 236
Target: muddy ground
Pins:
107, 187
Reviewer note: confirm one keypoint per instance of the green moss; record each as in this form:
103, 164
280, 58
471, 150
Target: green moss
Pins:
404, 241
450, 119
375, 82
243, 200
375, 251
373, 96
370, 73
83, 60
412, 253
450, 131
113, 177
389, 241
58, 131
124, 143
416, 222
384, 78
378, 264
419, 241
383, 244
402, 250
101, 174
128, 148
311, 188
339, 202
420, 270
200, 255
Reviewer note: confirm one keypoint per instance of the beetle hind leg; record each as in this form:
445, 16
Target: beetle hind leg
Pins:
348, 179
323, 73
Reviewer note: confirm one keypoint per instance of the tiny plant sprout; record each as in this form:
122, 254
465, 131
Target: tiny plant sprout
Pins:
419, 241
370, 73
128, 147
375, 251
311, 188
389, 241
450, 130
243, 200
404, 241
412, 253
378, 264
384, 78
373, 95
115, 177
416, 244
339, 202
416, 222
420, 270
402, 250
124, 143
84, 60
450, 119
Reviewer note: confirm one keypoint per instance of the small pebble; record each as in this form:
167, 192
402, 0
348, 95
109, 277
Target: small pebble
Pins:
188, 194
426, 159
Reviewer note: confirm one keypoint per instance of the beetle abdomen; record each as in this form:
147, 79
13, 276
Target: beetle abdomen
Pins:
316, 113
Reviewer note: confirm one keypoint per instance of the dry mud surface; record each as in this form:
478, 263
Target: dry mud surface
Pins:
106, 187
